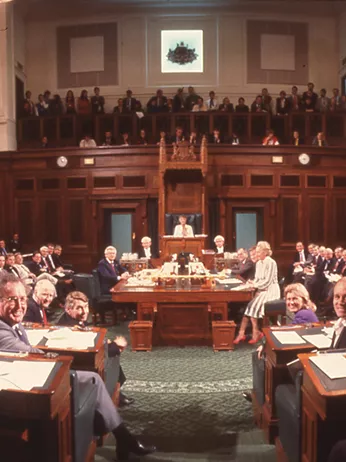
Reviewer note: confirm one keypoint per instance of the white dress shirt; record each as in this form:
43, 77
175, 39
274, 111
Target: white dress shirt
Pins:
220, 249
147, 252
338, 328
88, 144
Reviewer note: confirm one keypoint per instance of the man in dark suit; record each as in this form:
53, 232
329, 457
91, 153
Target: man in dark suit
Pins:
339, 260
215, 137
15, 244
245, 268
282, 104
301, 259
43, 295
3, 250
45, 262
129, 103
179, 135
35, 266
319, 140
296, 139
13, 306
76, 313
110, 271
310, 94
157, 103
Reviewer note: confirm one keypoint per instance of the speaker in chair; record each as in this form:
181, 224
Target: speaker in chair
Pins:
193, 219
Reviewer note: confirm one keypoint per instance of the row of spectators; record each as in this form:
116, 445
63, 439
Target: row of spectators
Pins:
309, 101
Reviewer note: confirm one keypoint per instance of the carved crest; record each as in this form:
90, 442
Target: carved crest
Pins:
183, 151
182, 54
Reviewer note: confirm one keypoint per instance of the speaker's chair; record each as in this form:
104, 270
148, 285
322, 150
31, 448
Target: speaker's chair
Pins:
172, 220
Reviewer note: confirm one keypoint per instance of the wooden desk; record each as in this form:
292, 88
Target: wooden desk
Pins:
323, 412
276, 373
91, 359
180, 316
36, 425
170, 245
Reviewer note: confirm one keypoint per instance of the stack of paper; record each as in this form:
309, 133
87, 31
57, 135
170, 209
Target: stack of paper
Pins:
319, 340
332, 364
66, 338
289, 338
36, 335
24, 375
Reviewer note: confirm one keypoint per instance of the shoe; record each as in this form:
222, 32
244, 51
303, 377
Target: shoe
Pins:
257, 339
247, 396
127, 444
240, 338
125, 401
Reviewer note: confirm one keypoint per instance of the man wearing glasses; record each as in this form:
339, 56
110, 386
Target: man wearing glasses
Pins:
13, 305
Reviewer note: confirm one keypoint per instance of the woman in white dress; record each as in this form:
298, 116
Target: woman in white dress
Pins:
267, 288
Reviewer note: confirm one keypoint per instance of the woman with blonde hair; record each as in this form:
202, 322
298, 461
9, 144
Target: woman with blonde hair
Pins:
267, 289
298, 302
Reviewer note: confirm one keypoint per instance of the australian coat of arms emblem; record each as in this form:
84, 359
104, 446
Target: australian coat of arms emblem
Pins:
182, 54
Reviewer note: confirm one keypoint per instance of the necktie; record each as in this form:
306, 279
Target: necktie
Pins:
44, 316
128, 103
296, 142
211, 103
301, 257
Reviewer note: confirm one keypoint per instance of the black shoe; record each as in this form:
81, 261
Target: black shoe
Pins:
125, 401
247, 396
127, 443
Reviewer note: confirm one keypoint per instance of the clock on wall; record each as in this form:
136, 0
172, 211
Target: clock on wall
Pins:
62, 161
304, 159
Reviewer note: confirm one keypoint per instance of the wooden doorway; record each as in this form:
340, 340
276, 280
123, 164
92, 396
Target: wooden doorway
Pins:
120, 224
247, 222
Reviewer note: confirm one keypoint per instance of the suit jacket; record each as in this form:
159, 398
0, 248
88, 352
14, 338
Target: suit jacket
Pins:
129, 107
225, 249
35, 268
341, 342
3, 251
286, 107
15, 246
12, 269
57, 260
329, 265
308, 257
300, 141
109, 275
243, 108
246, 269
46, 264
315, 142
141, 253
155, 108
291, 101
339, 266
69, 321
212, 140
15, 340
33, 312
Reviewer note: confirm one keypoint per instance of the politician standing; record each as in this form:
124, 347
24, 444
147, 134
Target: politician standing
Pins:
183, 230
267, 289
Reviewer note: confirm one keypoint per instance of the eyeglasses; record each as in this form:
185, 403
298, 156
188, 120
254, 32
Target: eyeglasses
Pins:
14, 300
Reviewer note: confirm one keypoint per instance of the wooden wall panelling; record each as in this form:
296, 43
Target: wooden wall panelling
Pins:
290, 219
51, 220
338, 219
316, 222
26, 221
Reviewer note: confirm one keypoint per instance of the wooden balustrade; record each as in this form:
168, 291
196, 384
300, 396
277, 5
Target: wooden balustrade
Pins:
68, 130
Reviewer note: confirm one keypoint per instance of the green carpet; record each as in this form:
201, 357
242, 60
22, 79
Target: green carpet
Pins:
189, 404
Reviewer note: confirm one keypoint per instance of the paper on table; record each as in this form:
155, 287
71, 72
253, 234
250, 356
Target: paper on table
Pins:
65, 338
319, 340
329, 331
36, 335
289, 338
24, 375
334, 366
229, 281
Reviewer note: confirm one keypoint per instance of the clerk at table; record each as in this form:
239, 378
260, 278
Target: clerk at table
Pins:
183, 230
110, 271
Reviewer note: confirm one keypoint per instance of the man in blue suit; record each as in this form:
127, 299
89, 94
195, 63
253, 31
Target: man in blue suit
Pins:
110, 271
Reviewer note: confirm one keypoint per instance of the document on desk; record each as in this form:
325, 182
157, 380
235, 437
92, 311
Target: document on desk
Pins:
288, 338
318, 340
66, 338
24, 375
333, 365
36, 335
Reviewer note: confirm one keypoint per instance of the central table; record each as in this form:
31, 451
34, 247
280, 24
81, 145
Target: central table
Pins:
180, 316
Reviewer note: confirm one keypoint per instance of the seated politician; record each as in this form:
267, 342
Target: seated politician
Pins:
110, 271
13, 337
219, 242
183, 230
245, 267
44, 293
76, 314
146, 251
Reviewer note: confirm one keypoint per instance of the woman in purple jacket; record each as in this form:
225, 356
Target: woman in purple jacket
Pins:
298, 302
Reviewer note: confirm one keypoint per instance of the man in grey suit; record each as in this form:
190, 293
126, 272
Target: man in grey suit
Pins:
13, 306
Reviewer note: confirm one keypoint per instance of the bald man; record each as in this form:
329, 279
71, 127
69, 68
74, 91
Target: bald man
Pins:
44, 293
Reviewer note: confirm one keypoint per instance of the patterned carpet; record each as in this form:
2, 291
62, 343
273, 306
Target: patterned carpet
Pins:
189, 404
